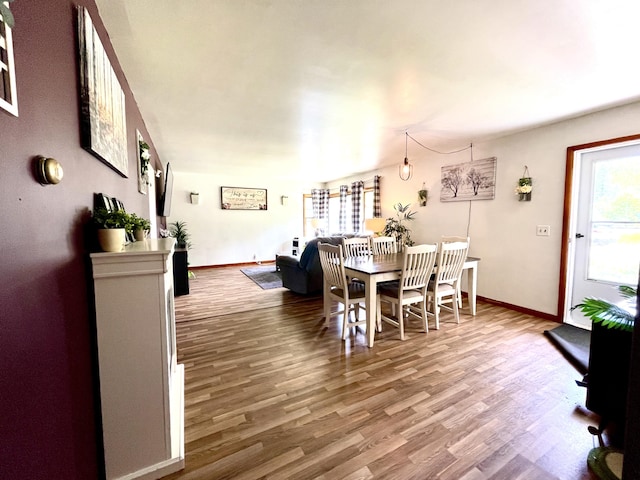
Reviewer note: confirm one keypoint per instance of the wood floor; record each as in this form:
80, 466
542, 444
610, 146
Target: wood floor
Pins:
271, 393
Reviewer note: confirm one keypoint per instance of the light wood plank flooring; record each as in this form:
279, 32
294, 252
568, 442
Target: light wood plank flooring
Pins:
272, 393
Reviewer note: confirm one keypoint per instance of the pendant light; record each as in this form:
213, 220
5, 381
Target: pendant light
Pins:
405, 169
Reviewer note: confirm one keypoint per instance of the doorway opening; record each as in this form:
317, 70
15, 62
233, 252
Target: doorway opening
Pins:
601, 224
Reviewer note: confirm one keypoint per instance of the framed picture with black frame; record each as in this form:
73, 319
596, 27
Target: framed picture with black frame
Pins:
102, 101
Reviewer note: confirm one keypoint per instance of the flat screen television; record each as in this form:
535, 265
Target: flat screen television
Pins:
164, 208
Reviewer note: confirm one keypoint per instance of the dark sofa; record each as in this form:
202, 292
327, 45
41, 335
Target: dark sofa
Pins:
304, 274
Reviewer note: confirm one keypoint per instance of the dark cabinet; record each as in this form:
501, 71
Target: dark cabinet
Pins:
180, 272
609, 358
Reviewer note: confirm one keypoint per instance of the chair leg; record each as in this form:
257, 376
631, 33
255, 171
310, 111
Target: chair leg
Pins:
378, 315
436, 311
456, 313
400, 318
425, 323
345, 322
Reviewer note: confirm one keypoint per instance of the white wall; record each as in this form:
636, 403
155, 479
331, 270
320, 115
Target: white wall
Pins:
222, 237
517, 267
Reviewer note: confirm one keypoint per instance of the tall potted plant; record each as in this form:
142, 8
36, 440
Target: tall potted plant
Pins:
396, 227
609, 354
179, 231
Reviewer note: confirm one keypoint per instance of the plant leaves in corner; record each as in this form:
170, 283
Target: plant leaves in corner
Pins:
6, 14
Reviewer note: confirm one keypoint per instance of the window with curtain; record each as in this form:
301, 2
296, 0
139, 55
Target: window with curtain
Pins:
367, 208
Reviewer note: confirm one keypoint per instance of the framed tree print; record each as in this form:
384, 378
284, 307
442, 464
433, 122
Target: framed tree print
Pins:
103, 122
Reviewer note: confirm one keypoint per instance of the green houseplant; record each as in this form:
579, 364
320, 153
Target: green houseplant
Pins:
113, 226
5, 11
178, 230
422, 195
610, 315
140, 226
609, 363
396, 227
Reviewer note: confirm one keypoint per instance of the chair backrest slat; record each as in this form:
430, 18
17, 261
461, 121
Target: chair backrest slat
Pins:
418, 262
383, 245
332, 261
356, 247
451, 258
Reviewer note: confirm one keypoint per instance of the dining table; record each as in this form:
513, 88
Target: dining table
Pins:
373, 269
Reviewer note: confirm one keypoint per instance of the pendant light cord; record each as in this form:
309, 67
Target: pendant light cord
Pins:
436, 151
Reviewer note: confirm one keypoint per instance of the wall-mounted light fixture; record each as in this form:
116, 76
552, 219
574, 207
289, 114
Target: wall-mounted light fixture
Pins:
405, 169
48, 170
195, 198
284, 200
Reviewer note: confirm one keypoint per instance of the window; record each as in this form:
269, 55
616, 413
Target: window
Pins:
8, 99
334, 212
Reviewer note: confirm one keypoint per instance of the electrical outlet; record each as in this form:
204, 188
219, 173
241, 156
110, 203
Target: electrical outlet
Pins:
543, 230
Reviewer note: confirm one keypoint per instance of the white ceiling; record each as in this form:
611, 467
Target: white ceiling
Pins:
326, 88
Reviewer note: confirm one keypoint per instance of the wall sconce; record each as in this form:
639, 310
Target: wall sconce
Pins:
48, 170
284, 200
195, 198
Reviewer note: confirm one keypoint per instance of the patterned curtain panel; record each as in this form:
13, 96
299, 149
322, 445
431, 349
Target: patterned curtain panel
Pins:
343, 208
320, 206
377, 210
356, 203
315, 202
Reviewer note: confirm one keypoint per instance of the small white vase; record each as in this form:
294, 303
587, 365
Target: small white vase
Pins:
111, 239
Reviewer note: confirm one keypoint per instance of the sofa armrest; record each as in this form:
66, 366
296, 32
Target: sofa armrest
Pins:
288, 261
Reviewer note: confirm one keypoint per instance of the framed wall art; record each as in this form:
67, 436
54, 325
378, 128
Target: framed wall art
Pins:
239, 198
104, 130
474, 180
144, 156
8, 94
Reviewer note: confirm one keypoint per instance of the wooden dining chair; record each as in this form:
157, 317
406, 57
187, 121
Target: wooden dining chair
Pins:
453, 239
356, 247
341, 290
383, 245
409, 295
444, 286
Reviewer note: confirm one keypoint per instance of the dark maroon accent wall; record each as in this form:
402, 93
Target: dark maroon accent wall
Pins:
47, 405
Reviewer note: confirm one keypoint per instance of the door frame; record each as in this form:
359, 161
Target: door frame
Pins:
565, 260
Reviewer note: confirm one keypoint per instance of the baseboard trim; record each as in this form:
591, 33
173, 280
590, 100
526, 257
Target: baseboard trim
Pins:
244, 264
517, 308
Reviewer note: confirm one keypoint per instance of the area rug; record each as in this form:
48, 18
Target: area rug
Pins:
264, 275
574, 343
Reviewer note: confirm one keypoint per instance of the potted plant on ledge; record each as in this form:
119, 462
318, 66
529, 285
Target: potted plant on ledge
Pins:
112, 228
141, 227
